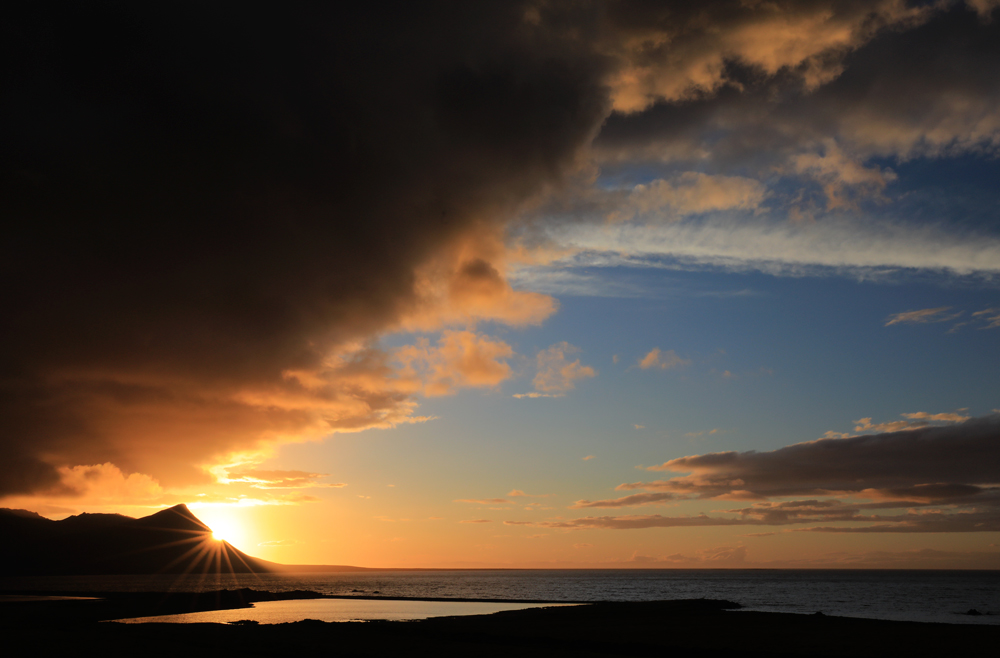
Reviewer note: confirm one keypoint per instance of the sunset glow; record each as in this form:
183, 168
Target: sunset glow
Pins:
512, 284
226, 526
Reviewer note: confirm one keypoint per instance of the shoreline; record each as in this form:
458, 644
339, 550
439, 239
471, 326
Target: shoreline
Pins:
696, 627
113, 605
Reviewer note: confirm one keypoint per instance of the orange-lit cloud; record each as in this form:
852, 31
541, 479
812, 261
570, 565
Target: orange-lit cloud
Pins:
842, 177
460, 359
675, 53
556, 373
916, 419
262, 479
922, 316
466, 283
662, 360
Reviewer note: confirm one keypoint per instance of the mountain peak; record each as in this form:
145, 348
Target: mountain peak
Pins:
178, 517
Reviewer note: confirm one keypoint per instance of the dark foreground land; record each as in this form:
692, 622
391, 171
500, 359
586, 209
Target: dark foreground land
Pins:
687, 629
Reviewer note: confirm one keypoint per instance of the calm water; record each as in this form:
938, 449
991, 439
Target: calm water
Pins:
280, 612
936, 596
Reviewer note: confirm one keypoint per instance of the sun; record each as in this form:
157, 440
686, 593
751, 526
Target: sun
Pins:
225, 530
225, 527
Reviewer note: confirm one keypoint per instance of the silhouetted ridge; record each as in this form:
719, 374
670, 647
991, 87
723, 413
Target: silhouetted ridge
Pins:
87, 520
22, 513
170, 541
178, 517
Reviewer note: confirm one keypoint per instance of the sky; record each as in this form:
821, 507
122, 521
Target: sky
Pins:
510, 284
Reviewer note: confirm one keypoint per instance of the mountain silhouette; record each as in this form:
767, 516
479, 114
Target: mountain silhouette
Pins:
172, 541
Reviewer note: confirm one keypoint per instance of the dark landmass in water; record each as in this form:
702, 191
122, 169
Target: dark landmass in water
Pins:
692, 628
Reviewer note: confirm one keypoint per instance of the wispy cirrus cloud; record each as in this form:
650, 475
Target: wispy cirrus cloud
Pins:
484, 501
633, 500
923, 316
277, 479
843, 246
991, 316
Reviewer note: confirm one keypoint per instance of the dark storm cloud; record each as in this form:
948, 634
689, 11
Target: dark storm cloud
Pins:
201, 199
929, 86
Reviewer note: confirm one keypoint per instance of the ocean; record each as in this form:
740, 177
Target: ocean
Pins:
924, 596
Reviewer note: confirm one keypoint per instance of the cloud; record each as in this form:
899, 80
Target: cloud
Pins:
920, 521
678, 52
689, 193
990, 316
556, 373
916, 419
107, 484
234, 204
460, 359
588, 458
922, 316
626, 501
840, 175
924, 88
477, 521
924, 513
878, 247
517, 493
945, 417
636, 522
484, 501
965, 453
662, 360
272, 479
695, 435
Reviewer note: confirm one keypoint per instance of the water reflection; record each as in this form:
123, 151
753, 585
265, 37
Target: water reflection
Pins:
280, 612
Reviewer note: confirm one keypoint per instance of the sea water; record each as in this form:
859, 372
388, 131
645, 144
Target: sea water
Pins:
927, 596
